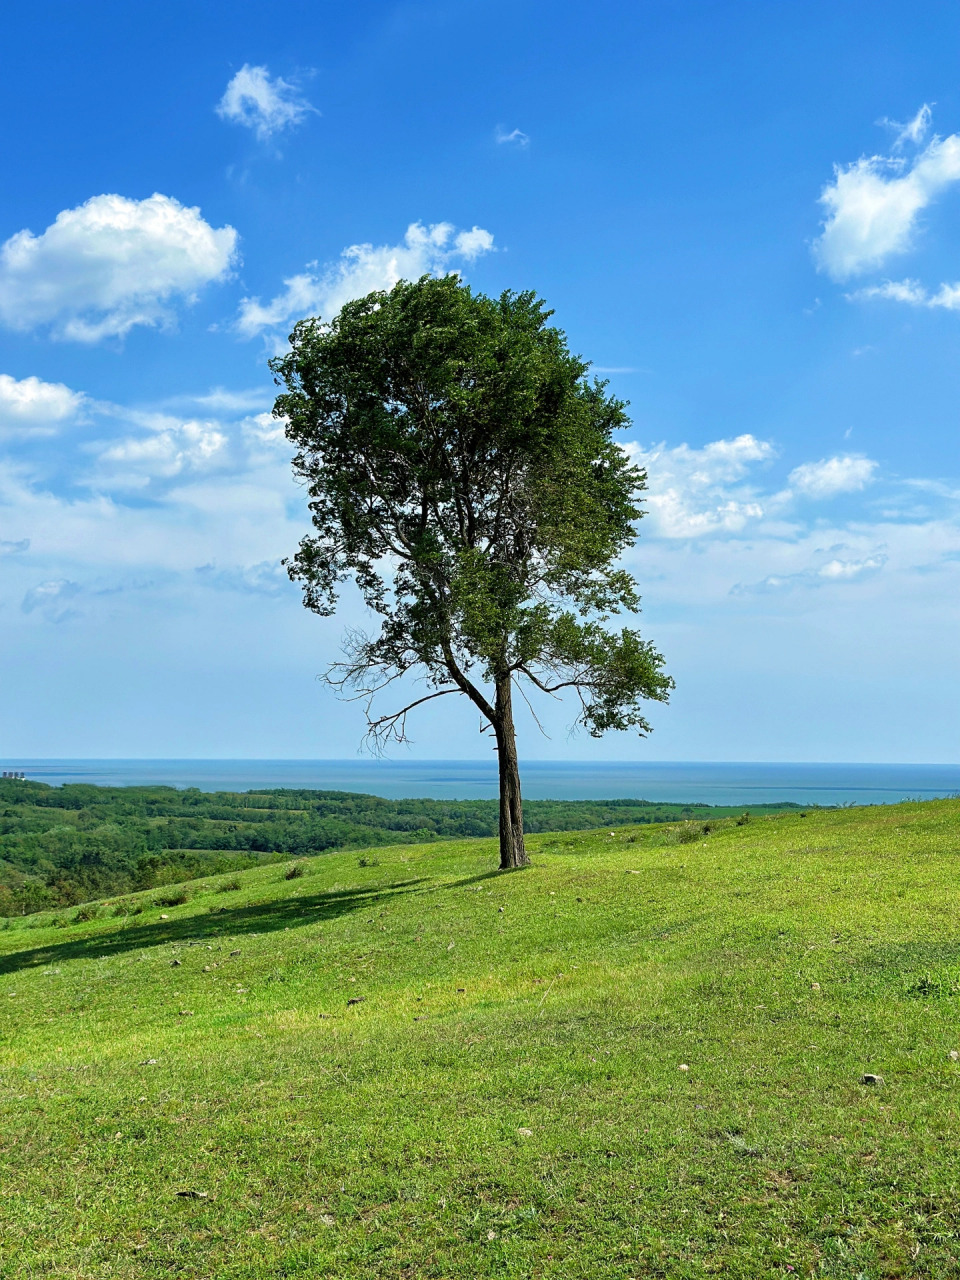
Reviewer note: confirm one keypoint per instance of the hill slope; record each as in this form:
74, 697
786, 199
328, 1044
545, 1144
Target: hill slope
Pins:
68, 844
638, 1058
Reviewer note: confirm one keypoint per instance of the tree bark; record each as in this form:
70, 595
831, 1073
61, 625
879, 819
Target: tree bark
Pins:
512, 851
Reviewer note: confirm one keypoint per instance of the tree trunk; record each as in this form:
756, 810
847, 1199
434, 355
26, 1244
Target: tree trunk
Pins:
512, 852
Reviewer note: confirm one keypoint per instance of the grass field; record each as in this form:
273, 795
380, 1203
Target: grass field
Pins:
638, 1058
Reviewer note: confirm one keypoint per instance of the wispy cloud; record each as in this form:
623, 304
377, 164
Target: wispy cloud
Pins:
830, 571
51, 600
511, 138
913, 132
261, 103
846, 473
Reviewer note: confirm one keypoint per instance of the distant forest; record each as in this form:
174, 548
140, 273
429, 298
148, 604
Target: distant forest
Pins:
64, 845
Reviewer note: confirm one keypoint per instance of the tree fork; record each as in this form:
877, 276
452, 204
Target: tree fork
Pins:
513, 853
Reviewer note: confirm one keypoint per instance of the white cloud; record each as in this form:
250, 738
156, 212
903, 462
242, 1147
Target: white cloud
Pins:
361, 269
516, 137
51, 600
832, 476
913, 293
30, 405
221, 400
689, 493
872, 205
264, 105
830, 571
269, 578
172, 450
914, 131
111, 264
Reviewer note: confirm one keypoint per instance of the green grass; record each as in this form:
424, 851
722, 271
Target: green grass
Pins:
506, 1098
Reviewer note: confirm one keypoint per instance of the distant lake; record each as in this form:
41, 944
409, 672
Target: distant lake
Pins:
728, 784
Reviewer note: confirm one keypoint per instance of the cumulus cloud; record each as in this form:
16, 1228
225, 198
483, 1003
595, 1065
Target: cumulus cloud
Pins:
689, 492
111, 264
515, 137
872, 205
360, 270
832, 476
173, 449
30, 405
265, 105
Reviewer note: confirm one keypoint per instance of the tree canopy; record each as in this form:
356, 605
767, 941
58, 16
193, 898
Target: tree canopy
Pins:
460, 467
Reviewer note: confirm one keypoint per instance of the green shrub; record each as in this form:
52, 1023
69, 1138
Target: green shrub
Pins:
175, 898
228, 886
88, 911
295, 871
689, 833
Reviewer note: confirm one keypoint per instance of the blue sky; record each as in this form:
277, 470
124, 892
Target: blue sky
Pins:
746, 214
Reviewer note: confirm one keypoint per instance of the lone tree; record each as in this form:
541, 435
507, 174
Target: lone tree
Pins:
461, 468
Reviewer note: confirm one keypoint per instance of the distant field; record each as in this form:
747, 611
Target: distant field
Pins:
68, 844
638, 1058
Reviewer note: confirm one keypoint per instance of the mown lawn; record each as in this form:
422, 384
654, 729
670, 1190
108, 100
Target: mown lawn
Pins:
638, 1058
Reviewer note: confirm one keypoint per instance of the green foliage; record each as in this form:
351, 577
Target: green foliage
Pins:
53, 851
513, 1105
461, 467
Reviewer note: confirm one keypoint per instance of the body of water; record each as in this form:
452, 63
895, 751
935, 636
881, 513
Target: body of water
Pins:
688, 782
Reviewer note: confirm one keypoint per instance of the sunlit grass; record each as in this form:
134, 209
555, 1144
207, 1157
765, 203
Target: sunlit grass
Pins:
640, 1057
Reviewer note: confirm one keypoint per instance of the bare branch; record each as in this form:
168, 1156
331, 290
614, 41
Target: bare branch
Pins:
536, 718
393, 727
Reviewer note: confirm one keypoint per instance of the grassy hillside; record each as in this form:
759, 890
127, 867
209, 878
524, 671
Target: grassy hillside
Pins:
638, 1058
64, 845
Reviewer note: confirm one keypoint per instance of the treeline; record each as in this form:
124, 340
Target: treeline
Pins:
76, 843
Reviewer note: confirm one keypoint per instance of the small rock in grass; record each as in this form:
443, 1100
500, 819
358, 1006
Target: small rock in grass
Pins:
175, 964
814, 986
356, 999
149, 1062
234, 953
186, 1013
869, 1078
461, 990
500, 909
491, 1235
163, 917
683, 1067
525, 1133
327, 1220
451, 945
193, 1195
953, 1055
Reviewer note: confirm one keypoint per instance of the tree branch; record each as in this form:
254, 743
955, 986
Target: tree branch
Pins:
394, 726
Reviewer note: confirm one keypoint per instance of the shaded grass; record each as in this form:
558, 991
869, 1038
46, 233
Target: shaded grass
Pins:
425, 1068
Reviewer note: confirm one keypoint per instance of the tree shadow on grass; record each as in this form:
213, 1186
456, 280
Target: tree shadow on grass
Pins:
258, 917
